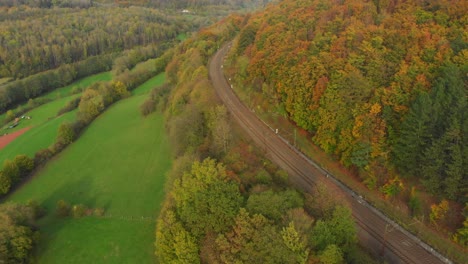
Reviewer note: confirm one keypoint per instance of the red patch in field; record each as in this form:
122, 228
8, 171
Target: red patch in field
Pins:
4, 140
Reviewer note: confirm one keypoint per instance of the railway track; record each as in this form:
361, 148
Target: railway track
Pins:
376, 232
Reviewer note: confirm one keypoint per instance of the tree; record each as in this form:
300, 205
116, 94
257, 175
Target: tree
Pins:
414, 135
414, 202
16, 233
461, 236
42, 156
66, 133
294, 242
273, 204
25, 165
331, 255
119, 90
220, 129
392, 188
90, 106
5, 183
11, 170
254, 239
173, 243
339, 230
205, 199
10, 115
186, 130
147, 107
439, 212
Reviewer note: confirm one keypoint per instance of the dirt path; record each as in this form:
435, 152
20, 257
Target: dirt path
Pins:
6, 139
375, 231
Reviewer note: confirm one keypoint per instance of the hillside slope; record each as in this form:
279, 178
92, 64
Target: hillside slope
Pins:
380, 86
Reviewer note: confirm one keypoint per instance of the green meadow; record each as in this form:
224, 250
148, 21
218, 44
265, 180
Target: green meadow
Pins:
44, 122
118, 164
150, 84
61, 94
79, 85
39, 137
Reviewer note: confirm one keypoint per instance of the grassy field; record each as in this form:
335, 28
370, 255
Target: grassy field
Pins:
118, 164
150, 84
80, 84
65, 92
44, 122
39, 137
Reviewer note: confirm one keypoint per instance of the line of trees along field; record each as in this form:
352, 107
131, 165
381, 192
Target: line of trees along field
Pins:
94, 100
75, 43
18, 231
225, 202
380, 85
62, 36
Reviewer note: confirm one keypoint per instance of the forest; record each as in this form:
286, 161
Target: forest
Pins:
160, 4
381, 86
75, 43
64, 36
225, 201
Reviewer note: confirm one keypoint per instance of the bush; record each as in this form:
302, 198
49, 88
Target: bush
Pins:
38, 210
25, 165
263, 177
148, 106
63, 209
5, 183
66, 133
57, 147
71, 105
98, 212
42, 156
79, 210
11, 171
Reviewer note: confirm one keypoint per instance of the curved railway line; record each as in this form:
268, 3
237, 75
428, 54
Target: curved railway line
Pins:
376, 232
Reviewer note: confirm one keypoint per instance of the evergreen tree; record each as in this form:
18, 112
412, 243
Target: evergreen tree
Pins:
414, 136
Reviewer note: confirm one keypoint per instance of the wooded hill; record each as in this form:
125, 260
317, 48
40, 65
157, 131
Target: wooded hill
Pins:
381, 85
225, 202
49, 38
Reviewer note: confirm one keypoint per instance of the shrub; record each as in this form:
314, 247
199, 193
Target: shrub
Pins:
73, 104
63, 209
25, 165
79, 210
148, 106
42, 156
66, 133
38, 210
263, 177
5, 183
98, 212
11, 171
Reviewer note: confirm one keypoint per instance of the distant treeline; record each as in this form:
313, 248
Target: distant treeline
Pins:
20, 91
48, 3
47, 39
151, 3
